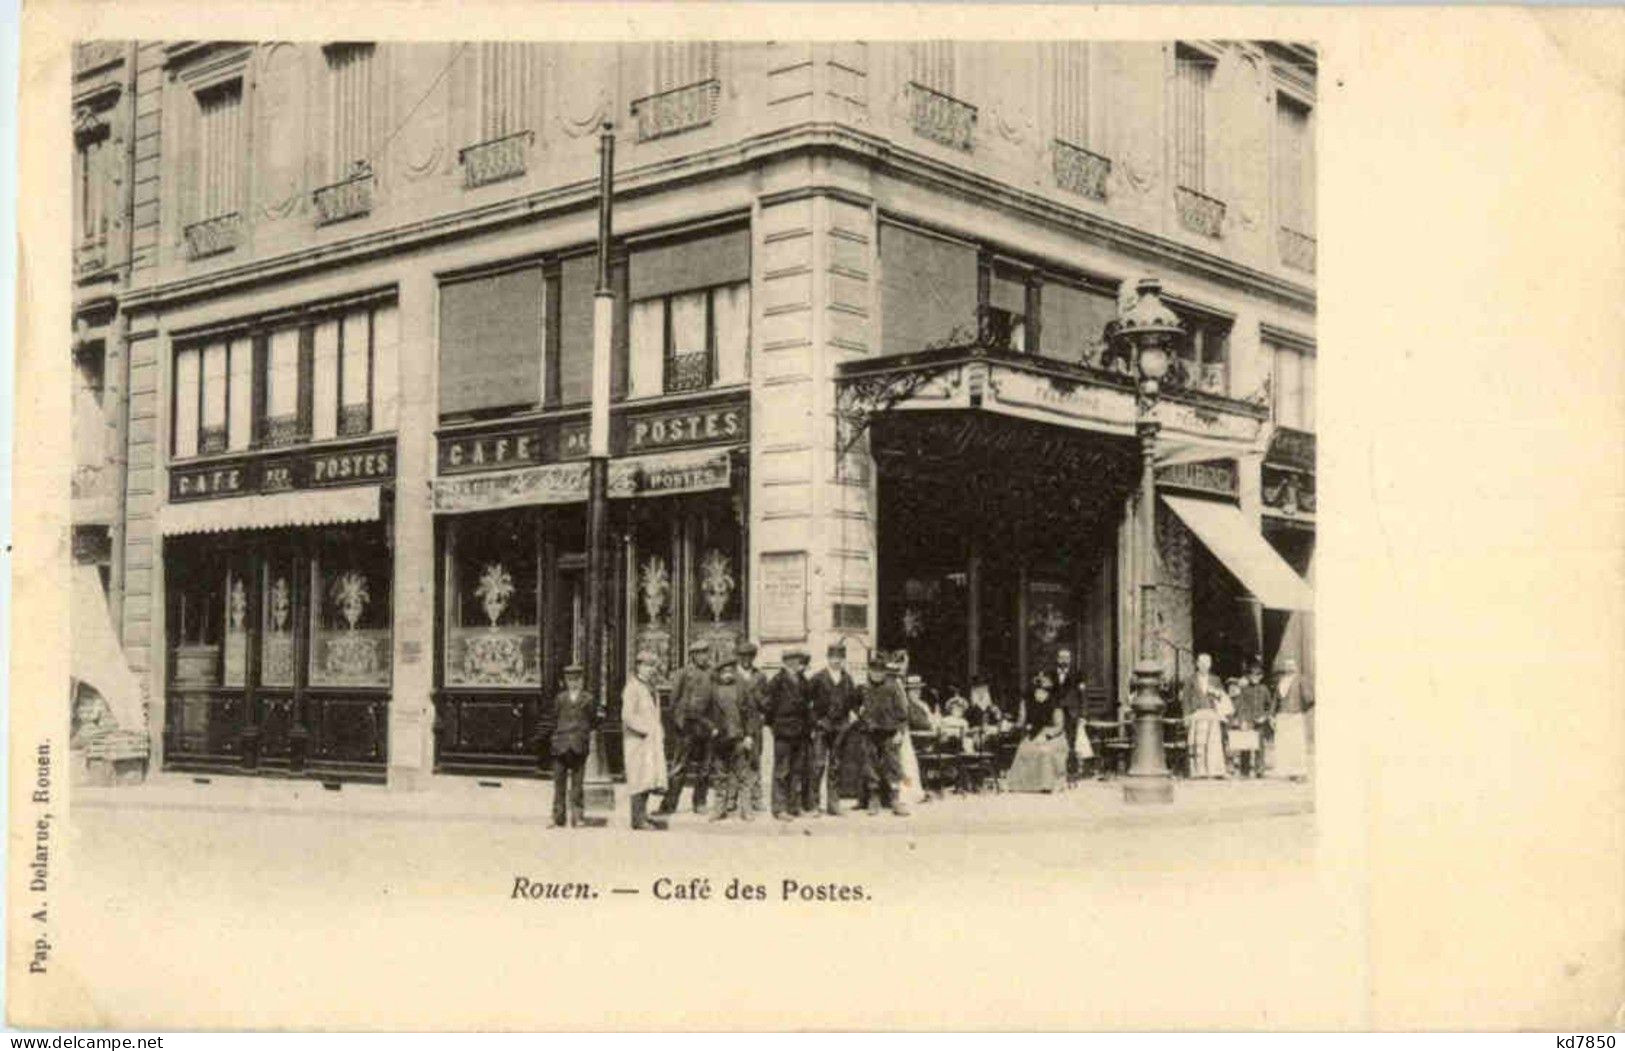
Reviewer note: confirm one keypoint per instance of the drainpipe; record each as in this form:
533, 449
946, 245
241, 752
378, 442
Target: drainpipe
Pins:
120, 458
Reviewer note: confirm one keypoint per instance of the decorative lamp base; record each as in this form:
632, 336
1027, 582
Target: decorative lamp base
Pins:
1148, 780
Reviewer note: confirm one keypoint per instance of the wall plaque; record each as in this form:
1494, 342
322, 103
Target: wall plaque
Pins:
781, 595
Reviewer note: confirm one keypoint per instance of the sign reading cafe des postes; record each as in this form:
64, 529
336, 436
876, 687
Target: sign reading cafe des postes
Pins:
472, 450
360, 463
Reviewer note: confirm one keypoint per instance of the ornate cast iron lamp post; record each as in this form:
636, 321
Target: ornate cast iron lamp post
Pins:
1148, 334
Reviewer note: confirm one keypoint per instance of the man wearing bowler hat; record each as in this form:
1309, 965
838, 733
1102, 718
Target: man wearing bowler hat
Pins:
884, 718
834, 710
573, 717
691, 705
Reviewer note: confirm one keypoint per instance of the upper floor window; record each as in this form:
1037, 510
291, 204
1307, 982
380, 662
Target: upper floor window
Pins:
689, 324
324, 376
508, 80
1070, 92
680, 63
1007, 309
932, 65
1295, 182
349, 107
1193, 80
492, 329
928, 293
92, 178
1294, 385
219, 171
1204, 357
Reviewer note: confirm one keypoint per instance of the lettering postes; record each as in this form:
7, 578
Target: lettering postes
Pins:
687, 427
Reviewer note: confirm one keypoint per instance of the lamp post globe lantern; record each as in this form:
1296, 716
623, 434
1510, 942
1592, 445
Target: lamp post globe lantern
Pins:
1148, 334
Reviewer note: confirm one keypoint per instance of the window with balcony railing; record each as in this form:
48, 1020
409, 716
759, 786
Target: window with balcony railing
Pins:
326, 375
216, 178
508, 77
690, 341
689, 323
1295, 182
1198, 210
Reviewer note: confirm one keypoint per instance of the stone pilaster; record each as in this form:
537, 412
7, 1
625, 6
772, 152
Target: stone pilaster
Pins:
411, 709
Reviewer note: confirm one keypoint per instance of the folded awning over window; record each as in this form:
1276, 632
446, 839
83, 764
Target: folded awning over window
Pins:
662, 474
98, 660
655, 474
306, 507
1244, 552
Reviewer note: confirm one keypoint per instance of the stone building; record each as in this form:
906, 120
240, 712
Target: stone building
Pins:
861, 389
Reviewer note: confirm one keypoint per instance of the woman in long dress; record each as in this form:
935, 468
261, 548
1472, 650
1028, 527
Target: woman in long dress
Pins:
1288, 702
1040, 762
1205, 704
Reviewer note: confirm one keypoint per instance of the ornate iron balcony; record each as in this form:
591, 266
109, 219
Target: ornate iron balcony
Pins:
942, 118
677, 110
1297, 250
495, 159
685, 372
1081, 171
213, 236
348, 199
1198, 212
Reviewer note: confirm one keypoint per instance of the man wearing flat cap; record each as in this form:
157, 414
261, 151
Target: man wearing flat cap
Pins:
834, 710
884, 718
690, 706
571, 721
732, 750
788, 714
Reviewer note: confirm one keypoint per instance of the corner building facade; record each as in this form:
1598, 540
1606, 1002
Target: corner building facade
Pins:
860, 385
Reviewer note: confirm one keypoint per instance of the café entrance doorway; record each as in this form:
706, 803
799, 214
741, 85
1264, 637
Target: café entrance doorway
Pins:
998, 546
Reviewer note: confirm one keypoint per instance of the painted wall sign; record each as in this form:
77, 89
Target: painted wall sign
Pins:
675, 428
548, 484
666, 475
781, 596
311, 469
515, 447
1218, 477
495, 447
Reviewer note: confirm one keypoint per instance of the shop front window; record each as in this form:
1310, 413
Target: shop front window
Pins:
276, 659
197, 621
493, 634
350, 615
654, 617
715, 580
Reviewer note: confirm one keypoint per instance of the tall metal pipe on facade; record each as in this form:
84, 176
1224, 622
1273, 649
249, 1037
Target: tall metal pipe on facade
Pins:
603, 318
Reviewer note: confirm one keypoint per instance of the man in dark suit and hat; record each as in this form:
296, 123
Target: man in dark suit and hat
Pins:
573, 716
788, 715
834, 710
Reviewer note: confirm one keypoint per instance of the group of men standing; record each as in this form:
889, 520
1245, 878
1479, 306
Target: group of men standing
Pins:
720, 722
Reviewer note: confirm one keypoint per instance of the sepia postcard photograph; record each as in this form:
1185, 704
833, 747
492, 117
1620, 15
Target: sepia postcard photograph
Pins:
677, 522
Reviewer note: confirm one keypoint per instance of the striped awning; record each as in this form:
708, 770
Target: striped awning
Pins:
305, 507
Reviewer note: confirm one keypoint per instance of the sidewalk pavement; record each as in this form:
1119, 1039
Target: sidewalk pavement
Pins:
1090, 804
